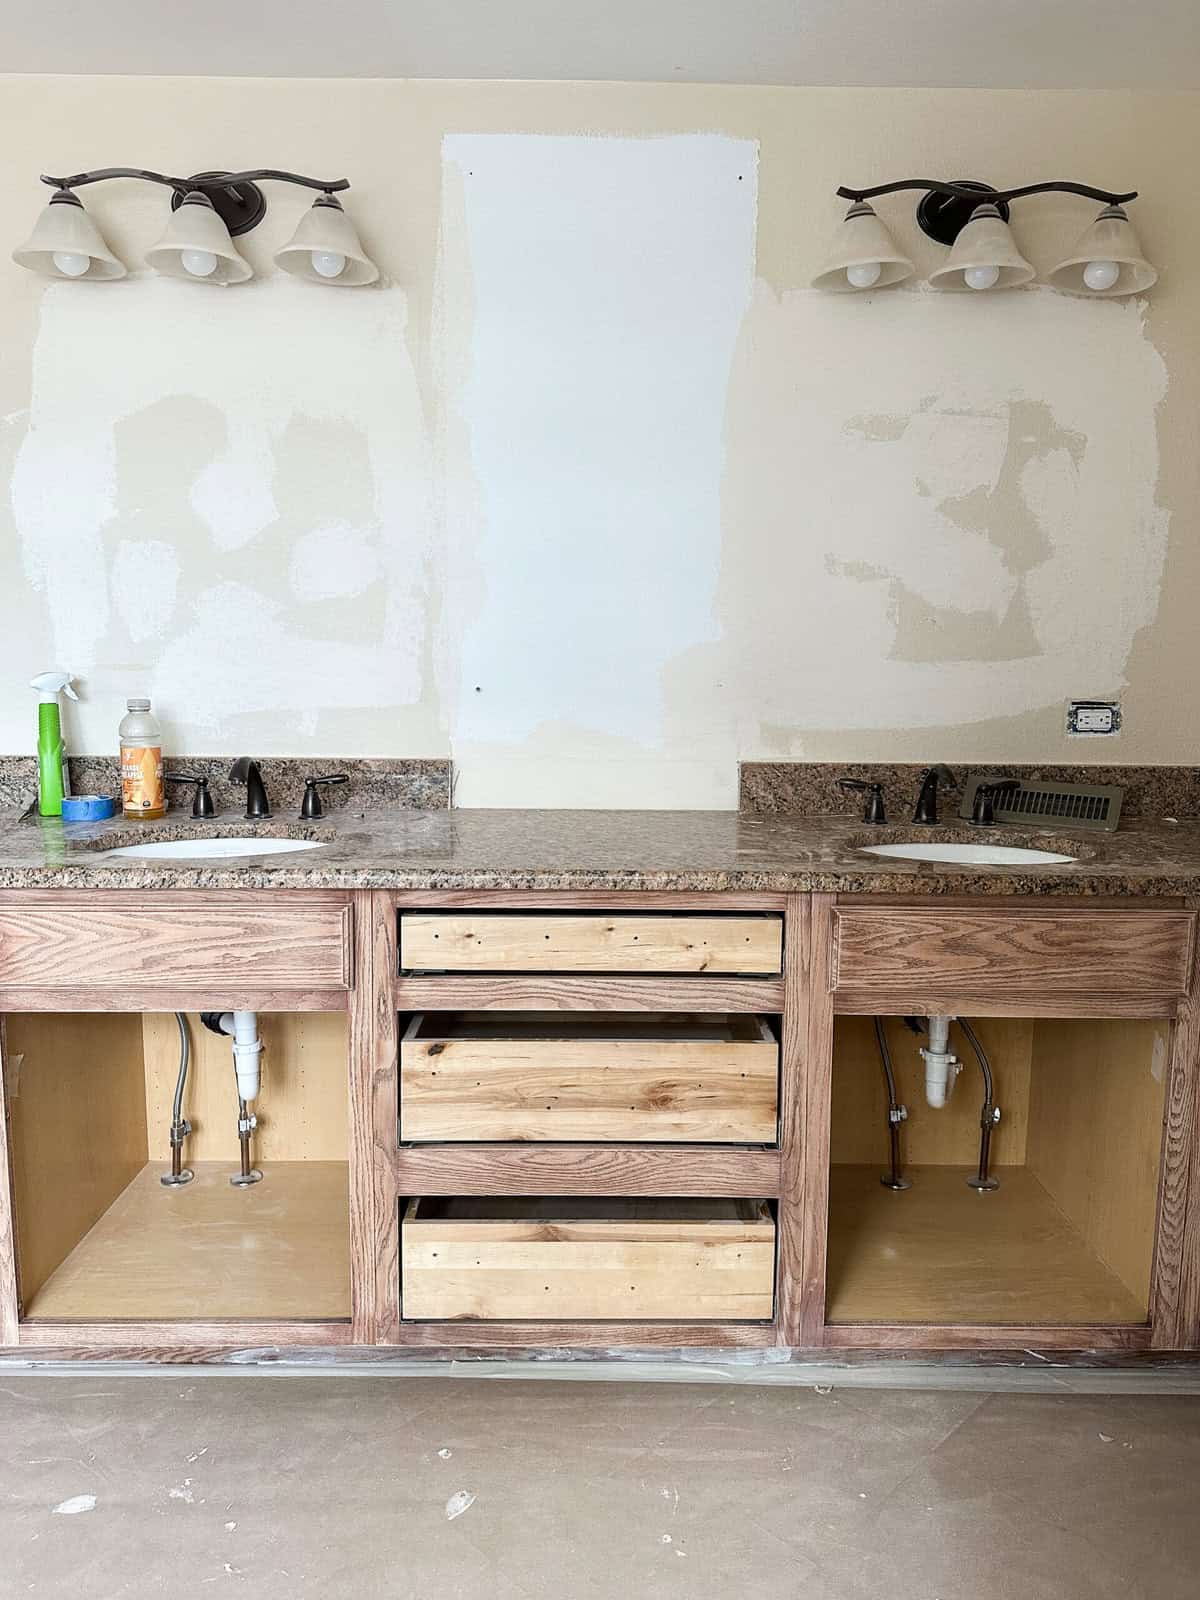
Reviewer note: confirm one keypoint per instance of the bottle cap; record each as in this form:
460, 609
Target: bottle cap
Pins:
137, 705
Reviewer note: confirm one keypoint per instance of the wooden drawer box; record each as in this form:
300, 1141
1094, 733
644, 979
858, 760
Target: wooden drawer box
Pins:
589, 1258
1012, 952
494, 941
589, 1077
206, 942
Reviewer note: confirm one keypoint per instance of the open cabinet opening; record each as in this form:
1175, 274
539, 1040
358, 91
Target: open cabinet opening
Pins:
1050, 1220
100, 1237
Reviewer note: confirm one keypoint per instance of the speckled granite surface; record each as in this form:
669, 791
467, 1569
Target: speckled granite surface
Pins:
546, 850
415, 785
809, 788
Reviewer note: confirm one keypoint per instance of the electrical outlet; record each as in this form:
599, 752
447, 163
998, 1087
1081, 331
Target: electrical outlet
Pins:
1093, 717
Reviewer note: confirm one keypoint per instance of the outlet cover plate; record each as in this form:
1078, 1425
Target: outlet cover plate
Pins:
1093, 719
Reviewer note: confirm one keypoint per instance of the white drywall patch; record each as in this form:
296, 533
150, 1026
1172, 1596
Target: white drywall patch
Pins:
602, 284
188, 449
942, 507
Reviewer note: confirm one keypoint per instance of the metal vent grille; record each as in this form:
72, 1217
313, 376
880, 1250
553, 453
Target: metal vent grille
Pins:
1077, 805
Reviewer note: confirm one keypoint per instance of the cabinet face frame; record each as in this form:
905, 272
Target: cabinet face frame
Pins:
1174, 1314
179, 1339
795, 1175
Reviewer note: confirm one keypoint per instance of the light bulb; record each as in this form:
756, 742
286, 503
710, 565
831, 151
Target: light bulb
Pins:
328, 263
200, 263
863, 274
71, 264
981, 277
1100, 275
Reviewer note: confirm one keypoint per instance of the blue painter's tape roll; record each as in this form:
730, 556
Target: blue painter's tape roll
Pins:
87, 807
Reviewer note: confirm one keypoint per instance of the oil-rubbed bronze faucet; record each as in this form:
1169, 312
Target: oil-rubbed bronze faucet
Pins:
926, 813
247, 772
983, 813
872, 803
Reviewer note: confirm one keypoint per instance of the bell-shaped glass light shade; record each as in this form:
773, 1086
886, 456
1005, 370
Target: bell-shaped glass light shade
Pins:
863, 255
66, 243
197, 245
984, 256
325, 248
1108, 260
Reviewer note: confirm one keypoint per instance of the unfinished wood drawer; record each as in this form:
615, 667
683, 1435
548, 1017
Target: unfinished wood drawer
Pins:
1012, 952
580, 1076
279, 941
588, 1259
493, 941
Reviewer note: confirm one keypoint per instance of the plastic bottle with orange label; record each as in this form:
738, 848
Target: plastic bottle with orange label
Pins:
142, 792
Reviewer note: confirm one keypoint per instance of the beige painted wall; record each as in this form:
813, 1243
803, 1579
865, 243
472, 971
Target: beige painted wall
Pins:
272, 507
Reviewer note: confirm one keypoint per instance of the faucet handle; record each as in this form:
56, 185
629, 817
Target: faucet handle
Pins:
310, 806
202, 802
983, 813
873, 804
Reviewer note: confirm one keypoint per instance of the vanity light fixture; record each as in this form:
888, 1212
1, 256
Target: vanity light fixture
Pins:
66, 243
863, 254
325, 247
972, 218
209, 211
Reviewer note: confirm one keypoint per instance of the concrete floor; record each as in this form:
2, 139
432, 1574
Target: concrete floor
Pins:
365, 1487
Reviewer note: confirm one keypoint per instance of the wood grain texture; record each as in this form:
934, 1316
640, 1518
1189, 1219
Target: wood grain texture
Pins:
588, 900
522, 993
566, 1077
1023, 1341
1096, 1133
1175, 1292
302, 1110
1018, 953
942, 1253
518, 1338
374, 1221
201, 942
77, 1107
817, 1044
797, 935
181, 1342
10, 1302
492, 941
591, 1259
231, 996
859, 1132
585, 1169
920, 1001
208, 1252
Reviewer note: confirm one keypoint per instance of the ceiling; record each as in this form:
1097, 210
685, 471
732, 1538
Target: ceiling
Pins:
919, 43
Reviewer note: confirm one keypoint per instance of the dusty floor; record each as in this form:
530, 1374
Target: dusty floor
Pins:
383, 1487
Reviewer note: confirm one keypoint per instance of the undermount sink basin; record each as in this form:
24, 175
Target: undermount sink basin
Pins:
210, 849
971, 855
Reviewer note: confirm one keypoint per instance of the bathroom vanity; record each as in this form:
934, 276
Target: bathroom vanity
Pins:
588, 1081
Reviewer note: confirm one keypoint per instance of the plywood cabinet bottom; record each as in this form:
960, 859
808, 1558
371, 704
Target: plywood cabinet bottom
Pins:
207, 1252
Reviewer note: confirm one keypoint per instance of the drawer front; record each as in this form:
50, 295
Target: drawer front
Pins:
583, 1078
489, 941
277, 943
589, 1260
1012, 952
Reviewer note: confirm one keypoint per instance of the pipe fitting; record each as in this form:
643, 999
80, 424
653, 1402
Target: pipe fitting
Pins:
942, 1066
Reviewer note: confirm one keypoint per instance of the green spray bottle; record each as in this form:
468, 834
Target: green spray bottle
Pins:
53, 783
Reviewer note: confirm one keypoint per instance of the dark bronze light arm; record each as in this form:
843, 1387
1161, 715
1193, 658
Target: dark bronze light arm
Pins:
958, 191
223, 180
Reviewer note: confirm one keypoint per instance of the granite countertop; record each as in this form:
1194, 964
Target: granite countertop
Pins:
546, 850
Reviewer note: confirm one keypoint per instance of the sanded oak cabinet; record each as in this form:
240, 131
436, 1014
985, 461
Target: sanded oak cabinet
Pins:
505, 1121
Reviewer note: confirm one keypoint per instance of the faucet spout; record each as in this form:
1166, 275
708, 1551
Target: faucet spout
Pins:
926, 813
246, 771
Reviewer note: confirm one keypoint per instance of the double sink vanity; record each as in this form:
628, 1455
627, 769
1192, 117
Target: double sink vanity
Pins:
599, 1080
